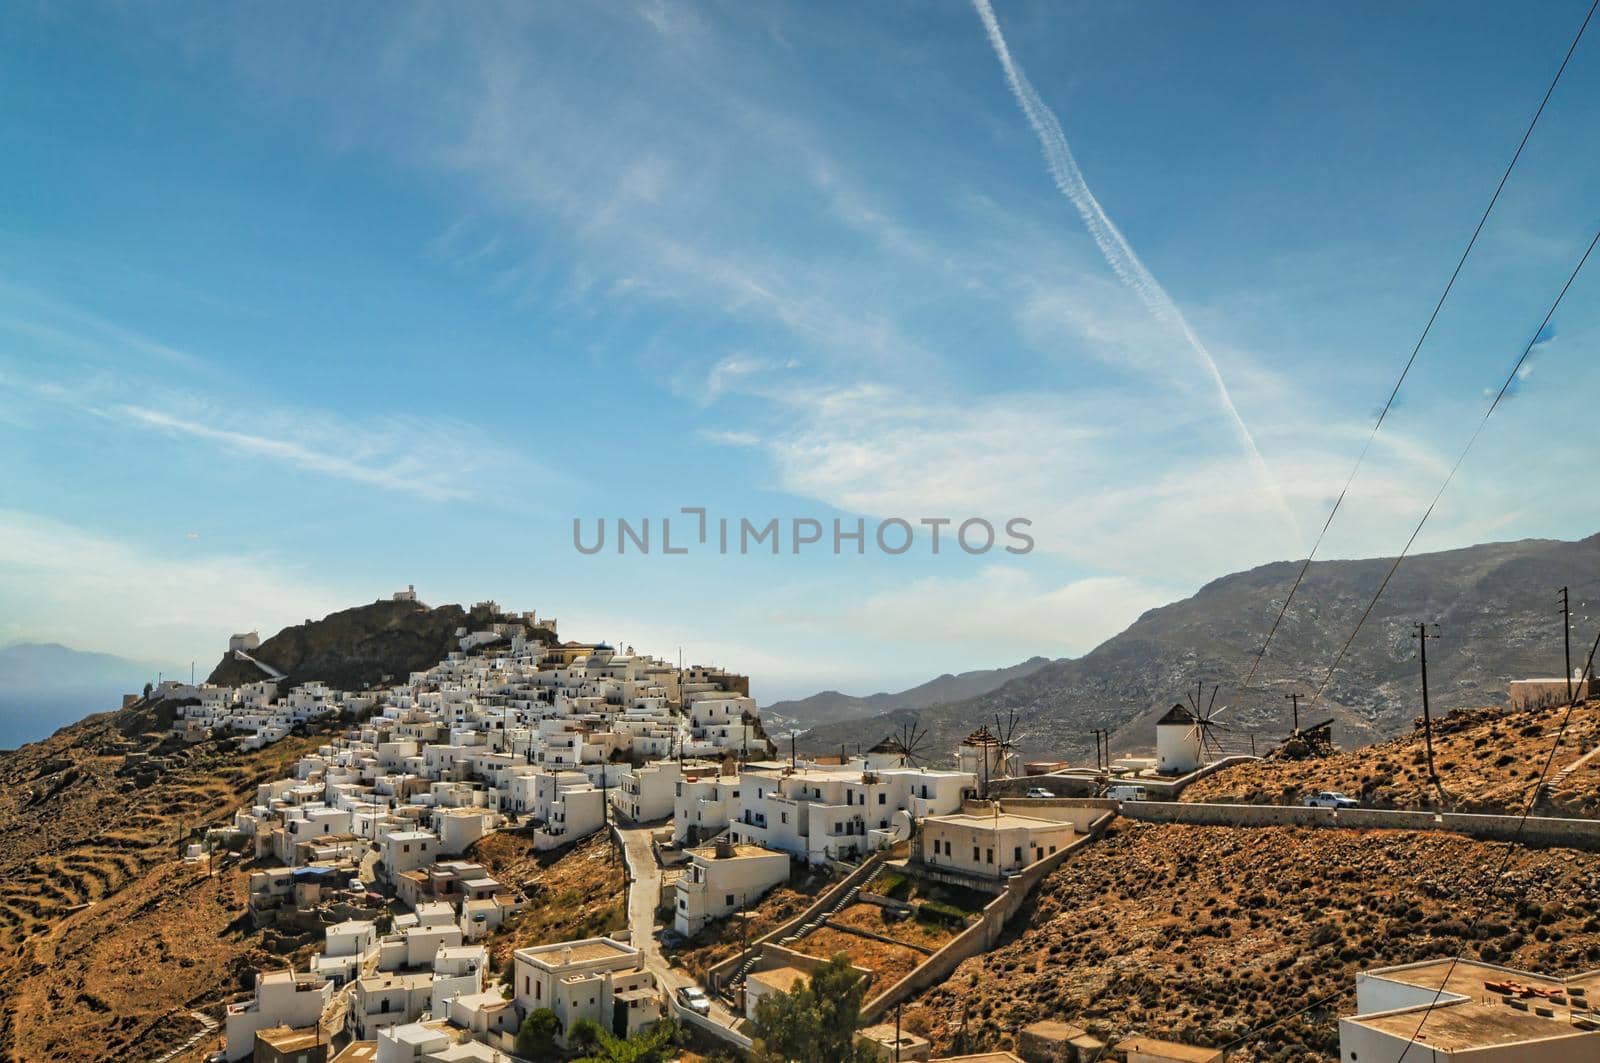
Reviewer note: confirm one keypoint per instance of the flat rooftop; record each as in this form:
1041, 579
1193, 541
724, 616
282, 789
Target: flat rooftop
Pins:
358, 1052
1468, 1024
1170, 1049
586, 951
1004, 821
284, 1039
1465, 977
741, 851
777, 979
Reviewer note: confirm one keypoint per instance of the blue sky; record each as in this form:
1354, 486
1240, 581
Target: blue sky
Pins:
299, 304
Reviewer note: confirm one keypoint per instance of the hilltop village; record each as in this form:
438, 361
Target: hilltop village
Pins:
740, 872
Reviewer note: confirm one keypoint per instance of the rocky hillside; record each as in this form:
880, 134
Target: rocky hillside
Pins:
1495, 605
110, 943
96, 908
365, 646
1488, 760
830, 706
1201, 934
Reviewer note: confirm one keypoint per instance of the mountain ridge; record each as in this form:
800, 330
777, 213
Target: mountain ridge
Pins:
1495, 603
830, 706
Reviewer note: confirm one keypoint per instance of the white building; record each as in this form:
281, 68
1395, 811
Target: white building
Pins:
822, 814
1444, 1011
722, 879
647, 793
407, 850
283, 998
383, 1000
982, 756
703, 805
345, 946
457, 971
1178, 742
991, 846
586, 979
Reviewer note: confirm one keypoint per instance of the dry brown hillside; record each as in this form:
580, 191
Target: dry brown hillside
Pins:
1202, 933
106, 937
1488, 761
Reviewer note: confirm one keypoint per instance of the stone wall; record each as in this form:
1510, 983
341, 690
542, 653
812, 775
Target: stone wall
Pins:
1537, 830
715, 975
984, 932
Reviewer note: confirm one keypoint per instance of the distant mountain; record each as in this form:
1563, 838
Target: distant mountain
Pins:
830, 706
1495, 605
45, 686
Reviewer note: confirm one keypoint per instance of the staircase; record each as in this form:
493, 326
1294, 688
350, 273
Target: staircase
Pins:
1565, 773
844, 901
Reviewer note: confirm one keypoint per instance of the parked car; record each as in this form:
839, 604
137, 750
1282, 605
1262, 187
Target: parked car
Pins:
1128, 793
1331, 799
694, 998
670, 938
1039, 791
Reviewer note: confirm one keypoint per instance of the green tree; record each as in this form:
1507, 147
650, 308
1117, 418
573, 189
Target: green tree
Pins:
814, 1022
584, 1036
537, 1036
654, 1045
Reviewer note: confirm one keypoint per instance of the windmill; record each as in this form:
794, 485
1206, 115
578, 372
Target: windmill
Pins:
1005, 748
909, 743
1204, 722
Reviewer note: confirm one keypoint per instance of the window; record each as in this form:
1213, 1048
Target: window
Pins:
683, 905
990, 856
975, 854
883, 798
1017, 854
729, 901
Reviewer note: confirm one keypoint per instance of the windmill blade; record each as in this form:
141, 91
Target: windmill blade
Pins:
1213, 715
1006, 731
1214, 688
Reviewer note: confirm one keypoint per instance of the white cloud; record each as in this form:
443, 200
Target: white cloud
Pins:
1008, 610
78, 586
406, 472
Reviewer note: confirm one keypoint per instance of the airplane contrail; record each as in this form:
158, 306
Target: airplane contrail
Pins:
1115, 247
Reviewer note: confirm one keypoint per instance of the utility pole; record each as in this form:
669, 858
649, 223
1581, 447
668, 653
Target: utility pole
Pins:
1422, 637
1566, 639
897, 1033
1096, 733
1294, 699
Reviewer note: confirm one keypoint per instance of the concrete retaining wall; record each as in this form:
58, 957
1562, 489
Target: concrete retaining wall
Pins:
982, 935
1227, 815
1538, 830
715, 975
1078, 784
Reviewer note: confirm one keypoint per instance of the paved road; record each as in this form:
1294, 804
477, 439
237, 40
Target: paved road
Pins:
643, 893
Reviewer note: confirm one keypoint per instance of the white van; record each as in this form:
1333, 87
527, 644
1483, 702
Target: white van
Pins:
1127, 793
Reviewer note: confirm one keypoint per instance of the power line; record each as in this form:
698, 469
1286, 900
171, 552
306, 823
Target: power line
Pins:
1505, 387
1505, 863
1437, 307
